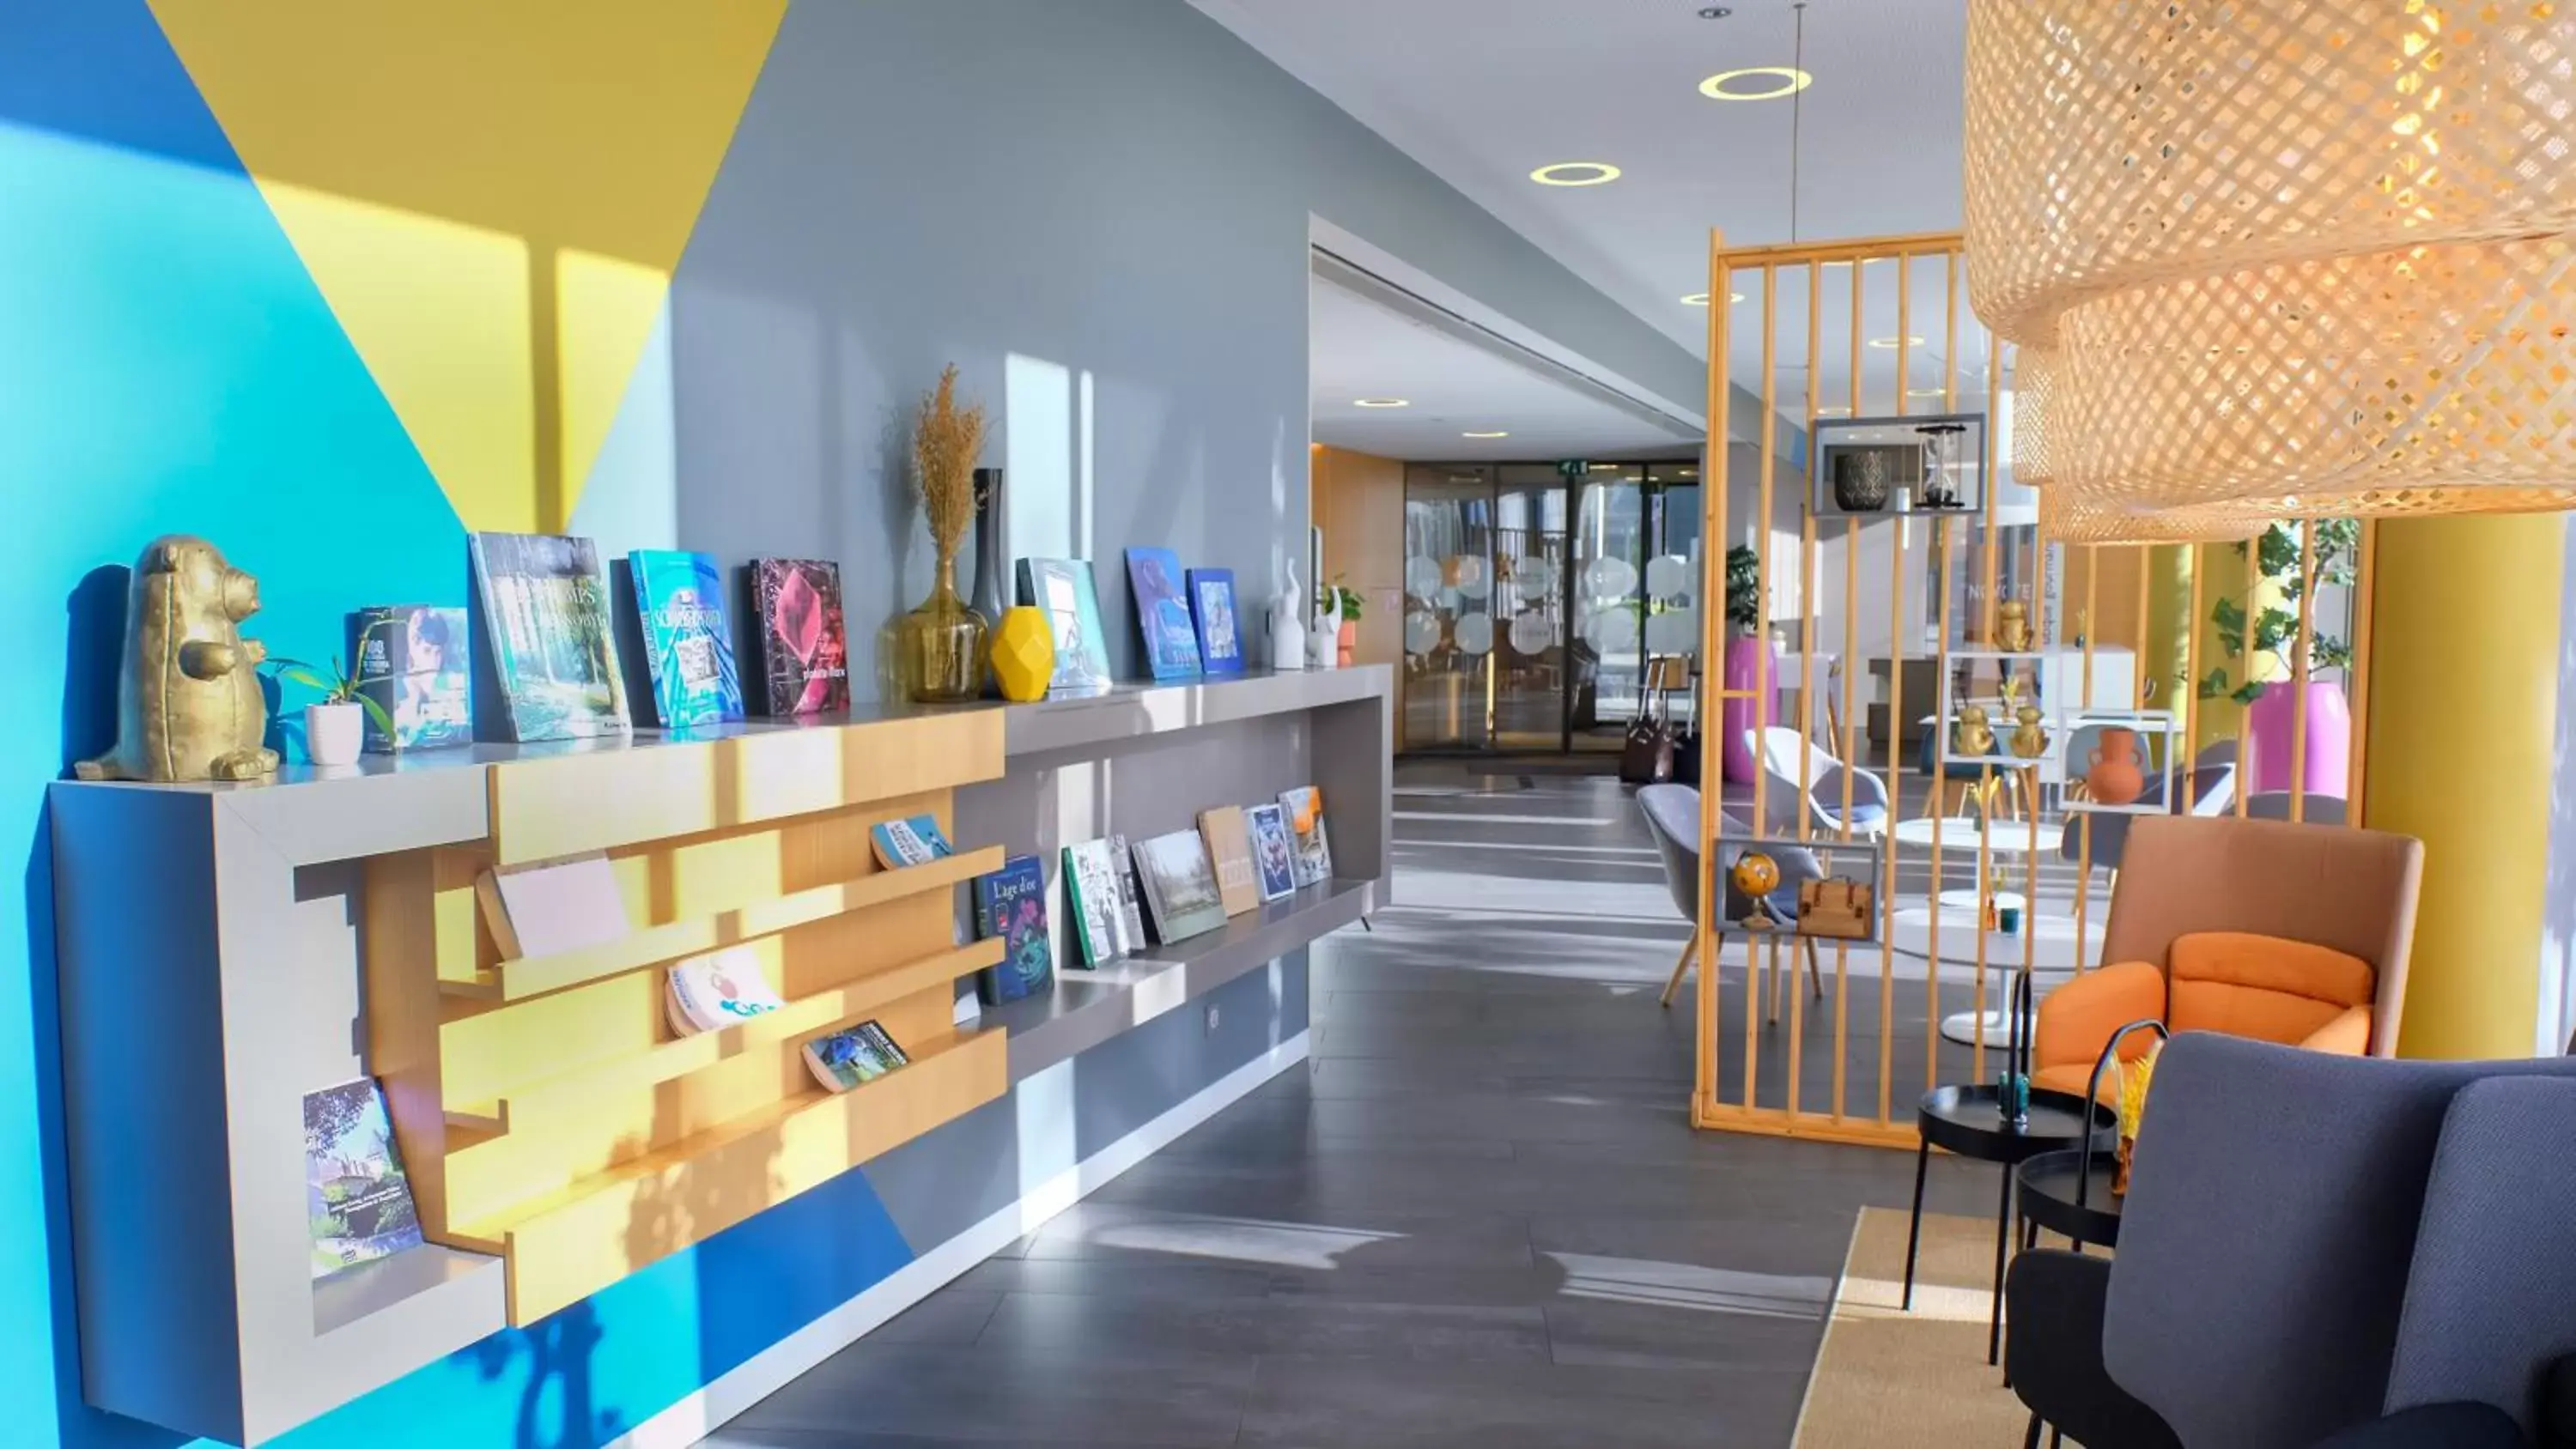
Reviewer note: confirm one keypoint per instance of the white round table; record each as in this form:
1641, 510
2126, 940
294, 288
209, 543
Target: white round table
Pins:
2050, 939
2008, 837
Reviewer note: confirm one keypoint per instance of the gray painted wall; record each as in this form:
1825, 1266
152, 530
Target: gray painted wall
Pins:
1100, 212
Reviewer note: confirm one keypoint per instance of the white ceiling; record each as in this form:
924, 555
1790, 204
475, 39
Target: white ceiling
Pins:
1484, 91
1362, 349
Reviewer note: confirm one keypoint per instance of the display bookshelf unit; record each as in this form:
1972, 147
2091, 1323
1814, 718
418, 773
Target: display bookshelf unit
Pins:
225, 949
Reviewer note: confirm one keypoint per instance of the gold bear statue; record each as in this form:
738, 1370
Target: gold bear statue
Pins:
188, 703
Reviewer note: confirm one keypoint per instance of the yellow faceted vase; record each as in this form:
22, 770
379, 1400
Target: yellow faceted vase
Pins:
1023, 654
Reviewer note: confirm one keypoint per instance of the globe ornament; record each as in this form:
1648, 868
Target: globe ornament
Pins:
1023, 654
1757, 875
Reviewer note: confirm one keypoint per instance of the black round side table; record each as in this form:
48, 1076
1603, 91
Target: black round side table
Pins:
2048, 1195
1968, 1120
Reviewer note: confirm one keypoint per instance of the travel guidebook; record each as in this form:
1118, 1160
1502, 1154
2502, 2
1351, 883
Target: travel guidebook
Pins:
853, 1057
679, 597
1180, 885
1011, 903
1063, 588
1212, 610
416, 663
1162, 614
1091, 888
1273, 853
545, 612
1304, 807
804, 653
355, 1194
899, 843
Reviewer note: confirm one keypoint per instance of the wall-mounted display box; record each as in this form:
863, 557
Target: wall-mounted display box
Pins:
226, 949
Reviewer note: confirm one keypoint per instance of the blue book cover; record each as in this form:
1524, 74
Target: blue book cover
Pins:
1011, 903
1212, 610
1063, 588
1162, 614
1273, 852
679, 596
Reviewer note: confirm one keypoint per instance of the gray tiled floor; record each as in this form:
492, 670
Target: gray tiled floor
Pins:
1477, 1217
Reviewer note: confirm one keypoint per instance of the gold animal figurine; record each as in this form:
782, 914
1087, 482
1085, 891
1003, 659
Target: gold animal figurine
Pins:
1976, 736
188, 703
2030, 741
2012, 627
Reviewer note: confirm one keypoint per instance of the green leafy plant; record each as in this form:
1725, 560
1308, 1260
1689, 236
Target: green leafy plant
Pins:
1743, 588
338, 686
2276, 626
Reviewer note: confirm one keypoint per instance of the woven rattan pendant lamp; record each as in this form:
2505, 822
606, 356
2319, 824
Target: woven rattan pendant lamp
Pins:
2271, 257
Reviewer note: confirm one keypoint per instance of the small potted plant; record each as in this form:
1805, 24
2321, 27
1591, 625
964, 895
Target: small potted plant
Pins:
1348, 638
335, 726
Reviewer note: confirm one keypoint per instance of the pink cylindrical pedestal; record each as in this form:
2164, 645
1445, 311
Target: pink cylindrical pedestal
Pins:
1743, 663
2270, 724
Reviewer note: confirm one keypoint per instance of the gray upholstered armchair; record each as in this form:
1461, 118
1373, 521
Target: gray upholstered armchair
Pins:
1672, 818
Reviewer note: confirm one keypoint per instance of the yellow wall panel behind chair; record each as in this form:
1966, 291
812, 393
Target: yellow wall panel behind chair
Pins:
395, 141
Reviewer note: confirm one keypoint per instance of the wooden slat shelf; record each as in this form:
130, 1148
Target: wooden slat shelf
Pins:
570, 1244
658, 945
798, 1019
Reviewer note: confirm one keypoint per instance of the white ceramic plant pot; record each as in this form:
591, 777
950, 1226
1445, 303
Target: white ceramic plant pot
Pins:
333, 733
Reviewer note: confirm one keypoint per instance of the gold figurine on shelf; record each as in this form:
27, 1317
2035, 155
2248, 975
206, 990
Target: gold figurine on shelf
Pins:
188, 703
2012, 627
2030, 741
1976, 735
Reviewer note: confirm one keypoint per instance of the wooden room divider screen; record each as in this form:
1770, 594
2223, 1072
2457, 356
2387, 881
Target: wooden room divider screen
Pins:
1849, 1067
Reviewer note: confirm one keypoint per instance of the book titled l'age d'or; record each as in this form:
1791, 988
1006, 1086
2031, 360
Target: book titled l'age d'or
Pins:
1011, 903
679, 598
545, 614
355, 1194
804, 653
416, 662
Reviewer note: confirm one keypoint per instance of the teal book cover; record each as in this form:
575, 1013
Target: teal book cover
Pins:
1011, 903
1064, 589
547, 646
679, 597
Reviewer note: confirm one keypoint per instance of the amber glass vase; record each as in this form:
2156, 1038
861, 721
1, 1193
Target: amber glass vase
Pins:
943, 644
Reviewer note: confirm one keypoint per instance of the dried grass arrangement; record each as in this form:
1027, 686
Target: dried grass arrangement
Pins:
942, 642
946, 441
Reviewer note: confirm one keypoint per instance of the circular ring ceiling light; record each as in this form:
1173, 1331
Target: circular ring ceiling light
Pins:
1576, 173
2366, 313
1787, 81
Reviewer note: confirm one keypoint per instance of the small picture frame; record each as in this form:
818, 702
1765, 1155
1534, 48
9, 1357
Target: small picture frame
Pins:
1821, 889
1213, 615
1928, 465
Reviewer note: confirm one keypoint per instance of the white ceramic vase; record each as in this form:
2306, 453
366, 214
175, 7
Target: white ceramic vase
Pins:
333, 733
1287, 631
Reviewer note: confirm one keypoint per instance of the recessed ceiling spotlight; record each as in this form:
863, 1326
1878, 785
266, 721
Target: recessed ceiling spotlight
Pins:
1833, 412
1700, 299
1687, 473
1382, 402
1576, 173
1927, 392
1496, 434
1715, 12
1892, 343
1756, 83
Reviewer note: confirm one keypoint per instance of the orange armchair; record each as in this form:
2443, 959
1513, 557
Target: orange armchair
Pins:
2295, 934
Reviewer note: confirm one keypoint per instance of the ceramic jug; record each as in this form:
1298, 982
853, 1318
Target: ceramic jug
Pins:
2116, 777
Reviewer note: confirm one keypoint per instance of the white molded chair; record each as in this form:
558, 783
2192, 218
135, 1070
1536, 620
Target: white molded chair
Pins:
1784, 753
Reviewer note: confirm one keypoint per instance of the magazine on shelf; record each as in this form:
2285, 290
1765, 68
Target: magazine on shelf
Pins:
804, 649
917, 841
416, 662
1011, 903
688, 643
719, 989
1229, 845
564, 905
853, 1056
1131, 898
1163, 613
546, 626
356, 1197
1091, 890
1304, 807
1274, 854
1180, 885
1219, 628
